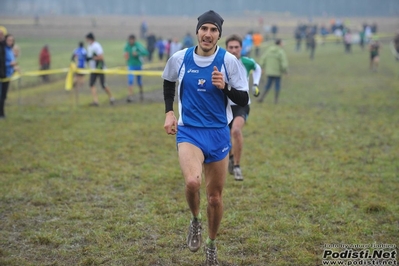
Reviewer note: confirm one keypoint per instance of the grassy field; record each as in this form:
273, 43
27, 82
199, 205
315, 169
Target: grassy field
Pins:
102, 186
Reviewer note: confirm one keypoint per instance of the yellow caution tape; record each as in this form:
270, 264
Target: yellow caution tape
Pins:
69, 77
72, 70
119, 72
35, 73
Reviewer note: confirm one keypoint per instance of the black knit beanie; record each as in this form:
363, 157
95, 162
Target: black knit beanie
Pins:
210, 17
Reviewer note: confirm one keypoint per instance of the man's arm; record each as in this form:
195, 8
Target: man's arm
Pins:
284, 62
169, 89
98, 57
256, 74
238, 97
98, 53
170, 125
237, 88
142, 51
74, 55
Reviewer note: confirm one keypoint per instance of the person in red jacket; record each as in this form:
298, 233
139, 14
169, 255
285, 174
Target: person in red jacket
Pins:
44, 60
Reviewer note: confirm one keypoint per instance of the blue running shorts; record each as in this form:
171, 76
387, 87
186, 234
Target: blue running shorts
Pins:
214, 142
130, 77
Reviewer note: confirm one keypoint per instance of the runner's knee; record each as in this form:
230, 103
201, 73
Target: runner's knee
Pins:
193, 184
215, 199
236, 131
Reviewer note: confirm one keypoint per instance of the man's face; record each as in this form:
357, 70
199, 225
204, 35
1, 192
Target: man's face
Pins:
235, 48
89, 41
132, 41
208, 36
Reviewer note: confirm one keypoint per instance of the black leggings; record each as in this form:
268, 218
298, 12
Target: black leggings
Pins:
93, 77
3, 96
4, 90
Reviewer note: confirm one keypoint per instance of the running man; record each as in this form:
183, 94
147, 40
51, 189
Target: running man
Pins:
134, 52
207, 77
240, 114
95, 57
79, 57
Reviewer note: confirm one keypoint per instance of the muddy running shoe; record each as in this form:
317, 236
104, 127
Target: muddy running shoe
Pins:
231, 165
237, 174
94, 104
211, 256
112, 101
194, 238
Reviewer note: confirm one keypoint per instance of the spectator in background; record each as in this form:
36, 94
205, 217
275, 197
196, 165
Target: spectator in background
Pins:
298, 38
362, 38
134, 52
151, 41
3, 32
338, 34
323, 32
247, 44
364, 26
95, 58
2, 70
79, 57
17, 51
257, 39
374, 28
44, 61
311, 43
314, 29
167, 48
10, 66
348, 41
368, 33
275, 63
175, 46
160, 45
260, 22
332, 25
188, 41
274, 31
374, 48
266, 30
143, 30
